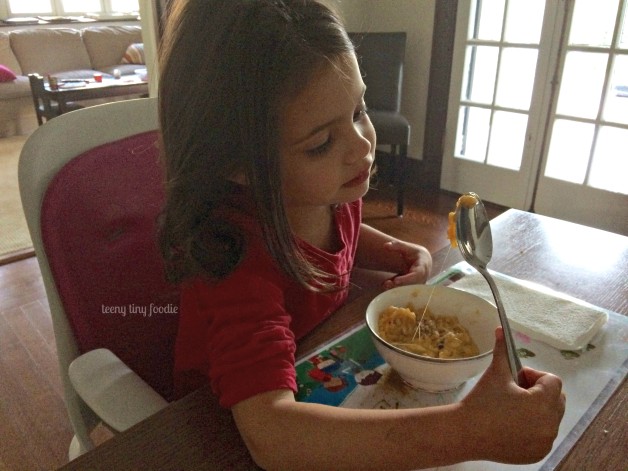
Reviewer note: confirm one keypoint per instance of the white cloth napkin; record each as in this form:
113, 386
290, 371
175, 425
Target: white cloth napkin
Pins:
562, 322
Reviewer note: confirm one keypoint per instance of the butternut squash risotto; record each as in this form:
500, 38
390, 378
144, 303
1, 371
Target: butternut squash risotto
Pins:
437, 337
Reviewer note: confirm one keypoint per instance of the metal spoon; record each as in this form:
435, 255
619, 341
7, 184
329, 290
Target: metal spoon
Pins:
475, 241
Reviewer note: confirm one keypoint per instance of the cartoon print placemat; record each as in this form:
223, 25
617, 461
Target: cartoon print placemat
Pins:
349, 372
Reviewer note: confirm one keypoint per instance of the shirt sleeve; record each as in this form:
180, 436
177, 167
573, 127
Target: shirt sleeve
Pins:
249, 345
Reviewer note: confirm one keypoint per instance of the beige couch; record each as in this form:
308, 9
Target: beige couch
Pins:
62, 52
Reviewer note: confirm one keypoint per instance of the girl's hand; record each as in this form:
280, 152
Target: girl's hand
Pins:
415, 260
514, 425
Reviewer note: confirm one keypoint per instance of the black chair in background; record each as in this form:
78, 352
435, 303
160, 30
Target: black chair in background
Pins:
44, 106
381, 58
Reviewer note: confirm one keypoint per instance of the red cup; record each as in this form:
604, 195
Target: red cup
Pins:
98, 77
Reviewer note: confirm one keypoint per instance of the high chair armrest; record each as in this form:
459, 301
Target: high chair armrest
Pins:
112, 390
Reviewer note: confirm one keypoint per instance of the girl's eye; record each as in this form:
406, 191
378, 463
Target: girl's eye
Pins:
321, 149
360, 113
325, 146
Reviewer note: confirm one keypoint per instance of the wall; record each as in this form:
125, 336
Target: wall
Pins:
416, 18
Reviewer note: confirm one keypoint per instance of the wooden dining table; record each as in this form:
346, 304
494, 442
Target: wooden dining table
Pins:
194, 433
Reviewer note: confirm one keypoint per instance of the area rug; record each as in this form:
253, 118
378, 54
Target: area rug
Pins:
15, 242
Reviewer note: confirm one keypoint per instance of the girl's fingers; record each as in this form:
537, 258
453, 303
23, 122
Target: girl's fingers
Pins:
414, 267
405, 279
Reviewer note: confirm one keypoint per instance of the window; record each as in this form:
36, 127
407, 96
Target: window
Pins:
29, 6
64, 7
124, 5
75, 6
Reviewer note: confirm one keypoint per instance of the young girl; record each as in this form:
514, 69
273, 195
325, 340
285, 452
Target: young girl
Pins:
268, 149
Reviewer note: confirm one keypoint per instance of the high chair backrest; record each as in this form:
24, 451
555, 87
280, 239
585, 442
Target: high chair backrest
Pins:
98, 223
92, 190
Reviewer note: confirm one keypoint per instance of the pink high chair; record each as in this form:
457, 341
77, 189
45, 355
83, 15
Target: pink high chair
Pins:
91, 189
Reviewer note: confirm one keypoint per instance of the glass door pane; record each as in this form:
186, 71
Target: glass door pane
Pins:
473, 142
592, 25
524, 21
516, 78
581, 86
508, 134
616, 106
609, 170
570, 150
481, 72
486, 19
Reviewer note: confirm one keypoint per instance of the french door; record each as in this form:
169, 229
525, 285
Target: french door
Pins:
538, 108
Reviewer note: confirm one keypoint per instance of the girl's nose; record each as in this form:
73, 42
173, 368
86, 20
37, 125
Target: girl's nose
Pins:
362, 143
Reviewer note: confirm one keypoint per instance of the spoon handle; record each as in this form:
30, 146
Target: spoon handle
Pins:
513, 358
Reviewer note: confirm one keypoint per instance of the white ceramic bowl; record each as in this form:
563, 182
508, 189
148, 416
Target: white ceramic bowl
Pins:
435, 374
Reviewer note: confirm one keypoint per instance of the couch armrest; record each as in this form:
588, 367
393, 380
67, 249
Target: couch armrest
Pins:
112, 390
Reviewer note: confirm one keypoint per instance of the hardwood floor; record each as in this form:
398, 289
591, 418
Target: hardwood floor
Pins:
33, 423
34, 427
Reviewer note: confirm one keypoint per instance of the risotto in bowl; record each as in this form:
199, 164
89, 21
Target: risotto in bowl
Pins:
452, 343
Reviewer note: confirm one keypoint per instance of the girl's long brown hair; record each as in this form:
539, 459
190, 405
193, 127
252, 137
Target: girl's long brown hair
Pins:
226, 68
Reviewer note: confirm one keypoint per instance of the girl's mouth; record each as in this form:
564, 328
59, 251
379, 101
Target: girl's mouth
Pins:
361, 178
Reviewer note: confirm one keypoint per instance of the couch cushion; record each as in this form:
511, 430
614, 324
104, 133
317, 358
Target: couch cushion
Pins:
106, 45
6, 74
7, 58
45, 51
